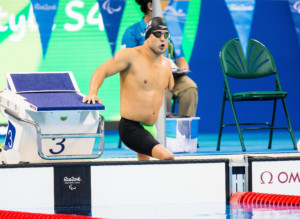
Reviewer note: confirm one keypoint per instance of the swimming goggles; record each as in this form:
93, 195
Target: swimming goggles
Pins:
158, 34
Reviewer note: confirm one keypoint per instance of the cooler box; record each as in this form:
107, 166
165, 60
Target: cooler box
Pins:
181, 134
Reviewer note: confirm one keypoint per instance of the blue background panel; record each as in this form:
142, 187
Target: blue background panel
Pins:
273, 26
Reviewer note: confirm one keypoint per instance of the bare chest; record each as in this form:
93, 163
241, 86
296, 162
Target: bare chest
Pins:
149, 77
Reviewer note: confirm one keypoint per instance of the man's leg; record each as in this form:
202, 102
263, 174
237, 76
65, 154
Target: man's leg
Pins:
162, 153
142, 157
159, 152
187, 102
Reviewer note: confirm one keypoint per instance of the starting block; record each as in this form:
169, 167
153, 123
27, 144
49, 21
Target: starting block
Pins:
47, 120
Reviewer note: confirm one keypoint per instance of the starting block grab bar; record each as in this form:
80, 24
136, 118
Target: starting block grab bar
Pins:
40, 136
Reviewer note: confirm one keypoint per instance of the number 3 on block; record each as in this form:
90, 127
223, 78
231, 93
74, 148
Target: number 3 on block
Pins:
61, 144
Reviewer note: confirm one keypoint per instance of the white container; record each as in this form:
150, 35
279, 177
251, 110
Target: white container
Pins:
181, 134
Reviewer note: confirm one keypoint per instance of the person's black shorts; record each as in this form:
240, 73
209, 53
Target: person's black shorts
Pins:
135, 137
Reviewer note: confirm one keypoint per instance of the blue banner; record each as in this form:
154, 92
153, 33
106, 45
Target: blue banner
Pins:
295, 10
45, 11
242, 14
112, 11
175, 14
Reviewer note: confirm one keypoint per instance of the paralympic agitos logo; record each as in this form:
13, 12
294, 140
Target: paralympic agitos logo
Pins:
296, 6
283, 177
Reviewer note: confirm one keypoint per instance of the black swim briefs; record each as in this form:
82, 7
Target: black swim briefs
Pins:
135, 137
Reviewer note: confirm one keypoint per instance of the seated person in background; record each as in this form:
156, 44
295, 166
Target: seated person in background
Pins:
185, 88
145, 75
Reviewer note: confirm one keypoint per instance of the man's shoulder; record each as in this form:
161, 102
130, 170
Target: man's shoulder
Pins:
166, 60
166, 63
131, 50
128, 53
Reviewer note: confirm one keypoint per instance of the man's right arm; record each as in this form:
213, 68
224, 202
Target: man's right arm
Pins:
119, 62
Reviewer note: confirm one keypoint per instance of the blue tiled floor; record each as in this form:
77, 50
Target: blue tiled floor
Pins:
256, 143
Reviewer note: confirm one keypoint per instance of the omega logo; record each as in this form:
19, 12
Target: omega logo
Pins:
266, 177
266, 174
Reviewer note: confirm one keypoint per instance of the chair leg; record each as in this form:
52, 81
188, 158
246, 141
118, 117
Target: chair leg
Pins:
238, 126
272, 124
120, 143
174, 104
221, 122
289, 124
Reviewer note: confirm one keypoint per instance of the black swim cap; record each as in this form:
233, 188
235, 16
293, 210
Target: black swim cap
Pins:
156, 23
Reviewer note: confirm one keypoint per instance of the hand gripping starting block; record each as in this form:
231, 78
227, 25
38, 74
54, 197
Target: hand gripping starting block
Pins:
47, 119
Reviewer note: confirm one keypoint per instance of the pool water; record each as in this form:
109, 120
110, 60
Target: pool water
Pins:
193, 210
183, 211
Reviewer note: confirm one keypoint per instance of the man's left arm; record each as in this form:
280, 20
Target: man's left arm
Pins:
171, 82
182, 63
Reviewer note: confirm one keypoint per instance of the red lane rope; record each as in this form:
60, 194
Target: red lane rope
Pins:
26, 215
265, 199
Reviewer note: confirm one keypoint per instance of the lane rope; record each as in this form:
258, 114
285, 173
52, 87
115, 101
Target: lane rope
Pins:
27, 215
264, 199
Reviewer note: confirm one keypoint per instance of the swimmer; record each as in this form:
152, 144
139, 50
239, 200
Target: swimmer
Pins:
145, 74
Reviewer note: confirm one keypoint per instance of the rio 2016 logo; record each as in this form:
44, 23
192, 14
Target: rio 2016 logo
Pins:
72, 181
19, 24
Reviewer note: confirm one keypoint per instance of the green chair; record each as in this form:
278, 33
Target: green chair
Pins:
258, 63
